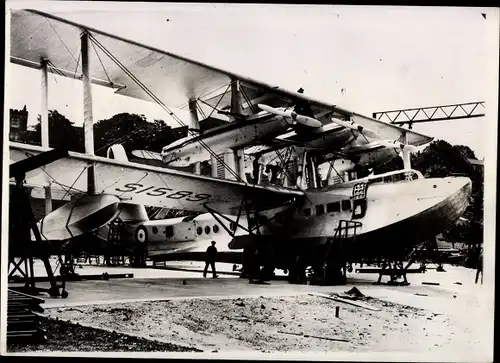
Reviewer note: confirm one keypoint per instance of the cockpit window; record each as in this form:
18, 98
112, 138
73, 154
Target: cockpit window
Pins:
398, 177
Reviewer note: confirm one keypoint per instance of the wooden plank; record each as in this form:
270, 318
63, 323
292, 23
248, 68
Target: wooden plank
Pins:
314, 336
350, 302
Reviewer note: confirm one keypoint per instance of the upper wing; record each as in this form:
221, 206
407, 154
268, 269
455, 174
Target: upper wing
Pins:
149, 185
175, 80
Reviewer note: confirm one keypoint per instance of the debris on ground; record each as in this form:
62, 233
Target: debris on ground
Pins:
336, 297
354, 292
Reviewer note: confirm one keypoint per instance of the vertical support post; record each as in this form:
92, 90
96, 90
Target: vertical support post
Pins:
405, 154
88, 126
312, 167
195, 123
302, 180
240, 159
406, 159
88, 122
235, 97
44, 127
44, 115
48, 199
213, 161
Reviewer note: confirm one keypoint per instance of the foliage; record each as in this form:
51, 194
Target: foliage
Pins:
134, 132
62, 133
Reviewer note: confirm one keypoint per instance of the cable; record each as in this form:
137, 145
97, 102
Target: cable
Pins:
102, 65
85, 168
161, 104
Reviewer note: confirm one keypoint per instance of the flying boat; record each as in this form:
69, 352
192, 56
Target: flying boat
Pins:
293, 218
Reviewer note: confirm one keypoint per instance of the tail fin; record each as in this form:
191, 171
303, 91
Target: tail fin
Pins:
117, 152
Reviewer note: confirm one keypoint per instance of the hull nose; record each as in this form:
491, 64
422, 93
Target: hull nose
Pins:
424, 225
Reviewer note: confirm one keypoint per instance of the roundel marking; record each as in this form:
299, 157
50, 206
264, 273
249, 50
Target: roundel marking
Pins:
141, 234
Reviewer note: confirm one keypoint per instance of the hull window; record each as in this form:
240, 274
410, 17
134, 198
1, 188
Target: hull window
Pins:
320, 209
215, 228
333, 207
207, 229
346, 205
199, 231
169, 231
307, 212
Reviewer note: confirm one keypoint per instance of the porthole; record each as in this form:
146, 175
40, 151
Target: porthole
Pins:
215, 228
199, 231
207, 229
155, 230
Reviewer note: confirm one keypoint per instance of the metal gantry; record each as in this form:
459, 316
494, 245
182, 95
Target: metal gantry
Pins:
434, 113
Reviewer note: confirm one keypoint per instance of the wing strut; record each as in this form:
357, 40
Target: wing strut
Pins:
162, 104
88, 126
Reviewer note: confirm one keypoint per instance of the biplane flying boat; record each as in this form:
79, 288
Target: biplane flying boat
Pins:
380, 214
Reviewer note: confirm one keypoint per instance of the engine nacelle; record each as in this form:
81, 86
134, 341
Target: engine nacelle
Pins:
375, 158
78, 217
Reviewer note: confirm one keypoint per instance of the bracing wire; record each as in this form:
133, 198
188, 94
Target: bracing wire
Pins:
161, 104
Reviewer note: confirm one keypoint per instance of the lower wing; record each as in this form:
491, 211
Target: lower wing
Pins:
152, 186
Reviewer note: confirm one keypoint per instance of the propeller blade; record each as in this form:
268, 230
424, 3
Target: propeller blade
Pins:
145, 154
300, 119
356, 127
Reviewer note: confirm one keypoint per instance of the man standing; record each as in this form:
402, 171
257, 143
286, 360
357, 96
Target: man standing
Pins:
210, 258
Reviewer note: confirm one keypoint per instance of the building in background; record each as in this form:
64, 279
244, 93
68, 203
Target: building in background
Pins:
18, 124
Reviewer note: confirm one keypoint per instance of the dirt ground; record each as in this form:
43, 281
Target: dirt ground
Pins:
279, 324
68, 337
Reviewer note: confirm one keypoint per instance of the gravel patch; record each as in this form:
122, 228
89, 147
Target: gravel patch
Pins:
270, 324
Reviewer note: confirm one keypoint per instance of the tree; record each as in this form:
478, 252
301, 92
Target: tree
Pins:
134, 132
62, 133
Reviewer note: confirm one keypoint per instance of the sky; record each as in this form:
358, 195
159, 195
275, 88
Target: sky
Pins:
365, 59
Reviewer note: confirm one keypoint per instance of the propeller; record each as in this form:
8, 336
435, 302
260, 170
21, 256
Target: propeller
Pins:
356, 127
298, 119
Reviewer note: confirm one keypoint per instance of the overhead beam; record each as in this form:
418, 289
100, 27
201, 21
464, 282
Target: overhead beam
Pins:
434, 113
